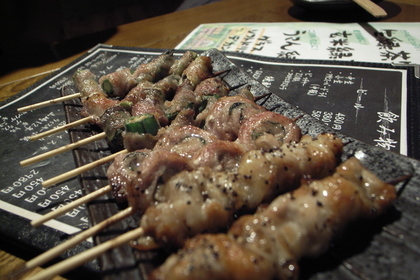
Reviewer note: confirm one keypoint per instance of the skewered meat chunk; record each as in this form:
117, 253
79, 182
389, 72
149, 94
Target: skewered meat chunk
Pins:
95, 101
184, 99
122, 170
156, 169
227, 115
192, 202
87, 83
211, 87
118, 83
301, 223
182, 63
267, 131
156, 69
198, 70
148, 98
95, 105
283, 169
157, 91
185, 140
134, 141
219, 155
198, 98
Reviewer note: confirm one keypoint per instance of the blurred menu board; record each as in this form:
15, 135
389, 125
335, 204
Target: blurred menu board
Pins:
367, 103
372, 42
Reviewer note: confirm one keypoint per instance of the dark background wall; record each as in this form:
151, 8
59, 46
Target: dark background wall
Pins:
38, 32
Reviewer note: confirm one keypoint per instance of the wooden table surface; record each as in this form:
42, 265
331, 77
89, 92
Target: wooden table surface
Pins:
168, 30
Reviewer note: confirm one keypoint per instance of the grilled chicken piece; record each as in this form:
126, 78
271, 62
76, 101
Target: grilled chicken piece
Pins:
227, 114
185, 140
182, 63
123, 169
267, 131
301, 223
155, 70
198, 70
118, 83
202, 200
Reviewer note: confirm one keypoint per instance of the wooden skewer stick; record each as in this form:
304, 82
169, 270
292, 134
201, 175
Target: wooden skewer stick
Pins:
59, 249
80, 170
49, 102
371, 8
63, 149
78, 260
60, 211
60, 128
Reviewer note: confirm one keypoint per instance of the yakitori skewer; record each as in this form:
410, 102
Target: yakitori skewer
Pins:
75, 203
63, 149
49, 102
349, 180
88, 255
77, 171
270, 243
59, 249
146, 71
50, 254
60, 128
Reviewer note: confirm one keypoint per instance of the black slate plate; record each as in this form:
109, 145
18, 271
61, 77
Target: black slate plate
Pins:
385, 249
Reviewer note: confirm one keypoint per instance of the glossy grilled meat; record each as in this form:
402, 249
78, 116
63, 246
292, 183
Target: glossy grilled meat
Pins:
270, 243
190, 146
268, 130
123, 169
202, 200
156, 69
119, 82
227, 114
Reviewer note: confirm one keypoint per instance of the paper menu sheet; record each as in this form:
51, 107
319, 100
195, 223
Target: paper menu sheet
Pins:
369, 42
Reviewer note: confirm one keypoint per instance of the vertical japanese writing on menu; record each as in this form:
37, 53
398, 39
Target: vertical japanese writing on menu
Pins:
390, 47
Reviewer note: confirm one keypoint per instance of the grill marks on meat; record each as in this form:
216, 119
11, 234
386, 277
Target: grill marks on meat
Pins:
301, 223
204, 200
